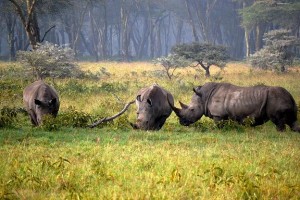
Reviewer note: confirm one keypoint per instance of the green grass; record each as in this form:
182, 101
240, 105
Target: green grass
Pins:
108, 164
116, 162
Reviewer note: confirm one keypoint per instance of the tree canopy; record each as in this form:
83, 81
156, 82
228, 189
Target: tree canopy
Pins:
203, 54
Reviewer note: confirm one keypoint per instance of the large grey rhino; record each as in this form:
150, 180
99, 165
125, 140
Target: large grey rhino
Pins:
40, 99
153, 107
222, 101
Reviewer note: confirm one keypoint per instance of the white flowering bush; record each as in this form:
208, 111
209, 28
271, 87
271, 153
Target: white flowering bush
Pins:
277, 52
50, 60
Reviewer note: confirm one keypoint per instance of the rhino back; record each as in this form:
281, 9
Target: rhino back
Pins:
238, 102
38, 90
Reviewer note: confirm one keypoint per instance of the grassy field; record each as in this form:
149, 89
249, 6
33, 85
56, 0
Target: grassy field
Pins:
113, 161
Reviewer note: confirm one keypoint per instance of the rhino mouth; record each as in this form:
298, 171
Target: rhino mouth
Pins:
185, 122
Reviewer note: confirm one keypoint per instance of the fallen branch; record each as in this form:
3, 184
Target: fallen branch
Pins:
106, 119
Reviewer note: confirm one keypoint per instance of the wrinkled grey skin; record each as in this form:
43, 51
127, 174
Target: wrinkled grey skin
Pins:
222, 101
40, 99
152, 108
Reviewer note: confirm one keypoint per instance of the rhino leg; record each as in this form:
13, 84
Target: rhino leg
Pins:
33, 119
279, 122
295, 127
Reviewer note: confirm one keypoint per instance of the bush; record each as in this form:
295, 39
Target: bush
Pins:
277, 53
8, 116
50, 60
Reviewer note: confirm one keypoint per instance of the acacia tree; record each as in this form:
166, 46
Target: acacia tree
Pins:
205, 55
170, 63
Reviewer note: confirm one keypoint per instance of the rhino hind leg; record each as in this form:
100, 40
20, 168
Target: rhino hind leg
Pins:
294, 126
283, 118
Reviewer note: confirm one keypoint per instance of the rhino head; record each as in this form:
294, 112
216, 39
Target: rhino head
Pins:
45, 107
189, 114
146, 115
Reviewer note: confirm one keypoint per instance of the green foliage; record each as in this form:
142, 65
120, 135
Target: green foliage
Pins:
69, 118
204, 55
75, 118
277, 51
8, 116
171, 63
79, 87
285, 14
50, 60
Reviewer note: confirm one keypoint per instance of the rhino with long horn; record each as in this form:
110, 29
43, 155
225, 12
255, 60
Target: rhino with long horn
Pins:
222, 101
153, 107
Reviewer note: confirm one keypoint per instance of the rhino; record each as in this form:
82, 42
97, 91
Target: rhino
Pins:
223, 101
40, 99
153, 107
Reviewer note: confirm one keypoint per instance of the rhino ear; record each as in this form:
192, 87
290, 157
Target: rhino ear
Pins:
37, 102
138, 98
149, 102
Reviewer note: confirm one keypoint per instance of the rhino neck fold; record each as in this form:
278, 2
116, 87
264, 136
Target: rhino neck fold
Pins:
206, 110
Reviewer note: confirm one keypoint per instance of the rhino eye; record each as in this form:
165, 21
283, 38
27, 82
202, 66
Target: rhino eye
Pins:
192, 109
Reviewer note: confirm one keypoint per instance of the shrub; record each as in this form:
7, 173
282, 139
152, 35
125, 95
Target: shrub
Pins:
277, 53
50, 60
8, 116
75, 118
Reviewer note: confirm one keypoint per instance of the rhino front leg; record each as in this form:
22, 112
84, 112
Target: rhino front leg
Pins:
218, 121
33, 119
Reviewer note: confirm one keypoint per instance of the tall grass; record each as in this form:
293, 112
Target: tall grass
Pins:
116, 162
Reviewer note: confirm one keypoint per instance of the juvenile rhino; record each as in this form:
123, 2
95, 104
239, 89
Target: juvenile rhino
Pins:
152, 108
221, 101
40, 99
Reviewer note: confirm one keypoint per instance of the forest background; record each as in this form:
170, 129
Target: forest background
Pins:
142, 29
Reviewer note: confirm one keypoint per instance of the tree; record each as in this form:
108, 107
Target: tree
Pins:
277, 52
28, 18
204, 55
170, 63
264, 15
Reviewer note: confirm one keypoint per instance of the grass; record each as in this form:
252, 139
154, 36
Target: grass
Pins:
116, 162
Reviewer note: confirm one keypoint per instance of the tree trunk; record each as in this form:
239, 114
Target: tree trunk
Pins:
191, 21
259, 36
11, 23
124, 32
29, 21
247, 43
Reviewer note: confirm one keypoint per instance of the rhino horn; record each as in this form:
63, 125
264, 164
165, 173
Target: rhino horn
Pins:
183, 106
176, 110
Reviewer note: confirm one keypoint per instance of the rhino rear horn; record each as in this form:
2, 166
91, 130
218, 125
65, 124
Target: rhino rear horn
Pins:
196, 90
183, 106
